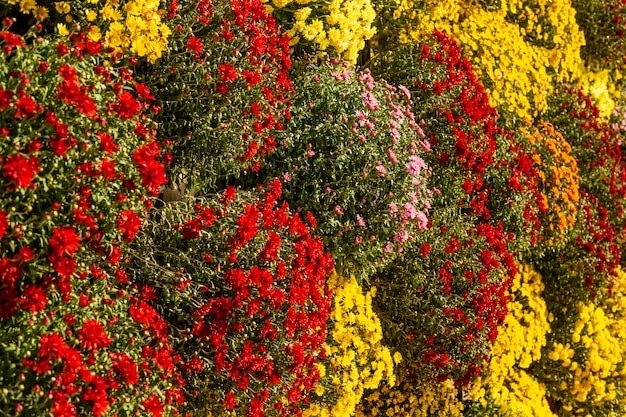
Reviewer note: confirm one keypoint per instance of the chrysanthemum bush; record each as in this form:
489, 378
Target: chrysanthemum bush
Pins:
603, 88
357, 162
78, 164
357, 360
440, 304
516, 72
604, 26
551, 26
223, 89
583, 363
96, 349
595, 145
507, 386
335, 29
241, 280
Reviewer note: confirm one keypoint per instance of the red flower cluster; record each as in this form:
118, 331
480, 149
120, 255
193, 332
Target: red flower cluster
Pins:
150, 167
78, 162
11, 41
237, 54
20, 171
58, 151
256, 301
84, 382
70, 91
62, 246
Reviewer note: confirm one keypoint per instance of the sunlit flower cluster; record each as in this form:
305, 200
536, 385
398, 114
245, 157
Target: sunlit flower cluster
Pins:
591, 361
357, 360
134, 27
515, 71
515, 46
412, 398
337, 28
601, 87
552, 26
507, 381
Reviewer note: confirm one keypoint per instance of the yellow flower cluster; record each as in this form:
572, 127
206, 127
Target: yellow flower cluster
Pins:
550, 24
357, 360
413, 399
505, 383
616, 306
515, 71
594, 359
335, 27
29, 7
601, 88
134, 26
558, 173
514, 46
425, 18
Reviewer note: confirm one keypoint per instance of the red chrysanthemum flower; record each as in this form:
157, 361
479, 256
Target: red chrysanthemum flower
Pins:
126, 367
5, 98
4, 223
173, 9
143, 91
128, 223
21, 171
153, 405
107, 143
26, 107
64, 240
33, 298
227, 72
61, 407
195, 44
13, 40
229, 195
126, 107
152, 171
93, 336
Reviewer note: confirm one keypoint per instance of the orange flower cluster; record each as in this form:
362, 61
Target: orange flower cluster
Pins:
557, 176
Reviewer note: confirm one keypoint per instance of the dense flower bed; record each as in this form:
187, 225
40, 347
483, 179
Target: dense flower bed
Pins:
312, 208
